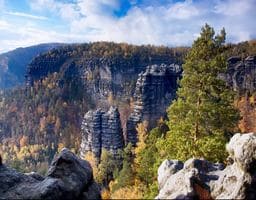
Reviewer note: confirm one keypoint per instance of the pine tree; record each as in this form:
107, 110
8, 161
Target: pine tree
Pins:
203, 114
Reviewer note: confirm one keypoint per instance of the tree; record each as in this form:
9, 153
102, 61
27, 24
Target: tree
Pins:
125, 176
203, 114
107, 167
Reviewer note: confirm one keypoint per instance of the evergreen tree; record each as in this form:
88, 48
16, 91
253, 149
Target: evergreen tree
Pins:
203, 114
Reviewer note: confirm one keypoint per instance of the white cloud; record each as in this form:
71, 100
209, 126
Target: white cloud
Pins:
183, 10
172, 23
4, 25
234, 7
20, 14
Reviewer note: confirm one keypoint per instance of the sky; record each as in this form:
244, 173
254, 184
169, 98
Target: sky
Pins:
158, 22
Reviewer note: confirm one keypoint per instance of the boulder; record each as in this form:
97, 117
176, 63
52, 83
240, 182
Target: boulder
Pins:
67, 178
199, 178
238, 180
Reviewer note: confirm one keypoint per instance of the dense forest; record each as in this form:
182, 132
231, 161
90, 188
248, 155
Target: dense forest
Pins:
40, 119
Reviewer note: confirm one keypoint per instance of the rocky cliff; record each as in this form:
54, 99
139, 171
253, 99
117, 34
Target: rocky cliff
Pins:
101, 130
155, 89
67, 178
198, 178
241, 74
104, 67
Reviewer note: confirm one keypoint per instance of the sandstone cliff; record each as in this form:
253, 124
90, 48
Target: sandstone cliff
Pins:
155, 89
101, 130
241, 74
104, 67
198, 178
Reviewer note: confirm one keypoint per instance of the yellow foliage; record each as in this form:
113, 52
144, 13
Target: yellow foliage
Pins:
93, 161
23, 141
60, 146
111, 98
131, 192
105, 194
142, 135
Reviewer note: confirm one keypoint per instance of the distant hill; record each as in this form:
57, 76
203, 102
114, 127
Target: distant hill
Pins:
13, 63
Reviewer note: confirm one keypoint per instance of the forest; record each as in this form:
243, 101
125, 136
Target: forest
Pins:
38, 120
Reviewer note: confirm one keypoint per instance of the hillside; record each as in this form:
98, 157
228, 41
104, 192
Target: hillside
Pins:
61, 86
13, 64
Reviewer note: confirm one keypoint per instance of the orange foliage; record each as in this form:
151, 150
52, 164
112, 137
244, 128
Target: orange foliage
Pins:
130, 192
105, 194
23, 141
247, 107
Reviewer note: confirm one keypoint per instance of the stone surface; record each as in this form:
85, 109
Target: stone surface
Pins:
101, 130
101, 74
241, 74
155, 89
198, 178
238, 181
68, 178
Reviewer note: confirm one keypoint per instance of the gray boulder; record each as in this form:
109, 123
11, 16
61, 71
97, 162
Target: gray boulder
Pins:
238, 180
199, 178
68, 178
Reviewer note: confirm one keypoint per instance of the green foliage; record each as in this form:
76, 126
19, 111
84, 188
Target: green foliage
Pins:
140, 172
107, 167
125, 176
148, 162
203, 113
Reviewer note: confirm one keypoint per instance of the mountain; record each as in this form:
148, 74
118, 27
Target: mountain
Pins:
64, 83
13, 63
95, 97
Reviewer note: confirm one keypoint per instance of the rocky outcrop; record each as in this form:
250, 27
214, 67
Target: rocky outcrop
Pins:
155, 89
68, 178
104, 67
198, 178
101, 130
241, 74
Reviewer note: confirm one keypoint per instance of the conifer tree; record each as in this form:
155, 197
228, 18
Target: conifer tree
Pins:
203, 114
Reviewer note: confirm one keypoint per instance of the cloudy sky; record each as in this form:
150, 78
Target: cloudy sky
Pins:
159, 22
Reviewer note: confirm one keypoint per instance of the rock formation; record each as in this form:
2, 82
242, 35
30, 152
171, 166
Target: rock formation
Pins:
104, 67
68, 178
155, 89
241, 74
101, 130
198, 178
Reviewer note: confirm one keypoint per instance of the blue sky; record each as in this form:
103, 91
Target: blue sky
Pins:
159, 22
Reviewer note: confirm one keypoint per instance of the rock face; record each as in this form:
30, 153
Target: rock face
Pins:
101, 130
241, 74
68, 178
198, 178
155, 89
104, 67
